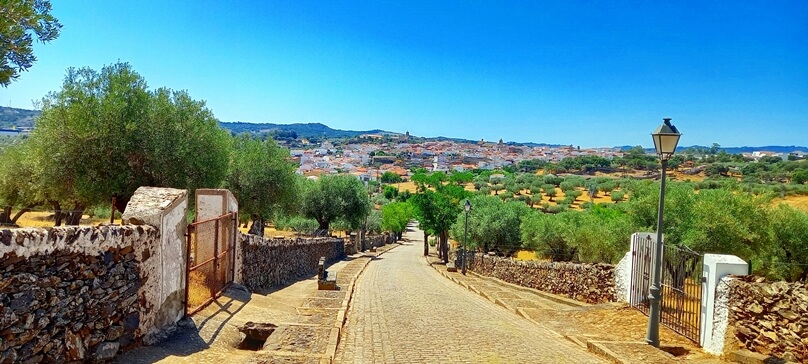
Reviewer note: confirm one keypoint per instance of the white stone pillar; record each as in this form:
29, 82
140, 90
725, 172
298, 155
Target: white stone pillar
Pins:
714, 314
162, 295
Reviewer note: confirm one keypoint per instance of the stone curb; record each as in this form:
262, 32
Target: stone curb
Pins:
597, 348
333, 340
748, 357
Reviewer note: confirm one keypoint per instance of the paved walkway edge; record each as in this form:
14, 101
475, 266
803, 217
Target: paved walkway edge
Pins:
333, 340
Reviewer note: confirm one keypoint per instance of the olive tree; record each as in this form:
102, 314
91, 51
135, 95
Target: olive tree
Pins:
104, 134
262, 179
20, 20
336, 197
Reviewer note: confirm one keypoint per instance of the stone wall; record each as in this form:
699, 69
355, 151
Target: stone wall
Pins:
590, 283
271, 262
375, 241
71, 293
769, 318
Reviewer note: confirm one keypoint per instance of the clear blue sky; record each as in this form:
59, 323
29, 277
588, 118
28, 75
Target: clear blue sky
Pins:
600, 74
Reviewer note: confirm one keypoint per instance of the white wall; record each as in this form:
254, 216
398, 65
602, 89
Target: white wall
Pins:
713, 302
622, 279
162, 294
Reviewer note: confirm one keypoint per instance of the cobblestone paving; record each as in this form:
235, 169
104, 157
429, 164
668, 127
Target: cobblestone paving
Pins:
403, 311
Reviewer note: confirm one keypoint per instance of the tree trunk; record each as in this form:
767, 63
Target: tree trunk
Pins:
120, 203
426, 244
74, 216
4, 217
257, 227
444, 243
19, 214
57, 214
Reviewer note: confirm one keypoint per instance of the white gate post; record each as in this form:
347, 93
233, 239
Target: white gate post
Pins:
714, 317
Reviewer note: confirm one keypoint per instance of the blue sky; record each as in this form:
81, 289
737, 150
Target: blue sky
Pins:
599, 73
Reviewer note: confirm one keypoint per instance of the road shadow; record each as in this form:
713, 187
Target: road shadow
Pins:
196, 333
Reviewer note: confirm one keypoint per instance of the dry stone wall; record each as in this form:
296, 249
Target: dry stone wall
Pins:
375, 241
271, 262
590, 283
70, 293
770, 318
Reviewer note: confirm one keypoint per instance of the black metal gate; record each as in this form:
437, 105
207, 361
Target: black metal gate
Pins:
210, 264
681, 284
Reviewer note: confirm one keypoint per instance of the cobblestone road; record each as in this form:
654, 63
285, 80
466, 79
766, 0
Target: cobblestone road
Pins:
403, 311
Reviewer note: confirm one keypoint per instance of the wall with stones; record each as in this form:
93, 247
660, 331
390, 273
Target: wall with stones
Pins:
590, 283
375, 241
271, 262
769, 318
71, 293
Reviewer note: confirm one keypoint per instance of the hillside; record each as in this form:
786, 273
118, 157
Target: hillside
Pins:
306, 130
11, 117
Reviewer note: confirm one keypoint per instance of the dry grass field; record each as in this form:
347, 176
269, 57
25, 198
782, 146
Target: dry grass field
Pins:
269, 232
405, 186
800, 202
45, 219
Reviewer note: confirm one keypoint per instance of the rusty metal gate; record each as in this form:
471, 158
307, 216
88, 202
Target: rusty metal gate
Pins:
681, 284
210, 264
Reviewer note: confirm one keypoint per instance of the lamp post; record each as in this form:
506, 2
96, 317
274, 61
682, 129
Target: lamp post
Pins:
666, 137
466, 207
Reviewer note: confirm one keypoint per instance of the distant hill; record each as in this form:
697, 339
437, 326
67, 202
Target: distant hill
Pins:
737, 150
307, 130
11, 117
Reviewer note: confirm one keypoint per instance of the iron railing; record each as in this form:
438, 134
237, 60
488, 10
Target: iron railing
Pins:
681, 283
210, 260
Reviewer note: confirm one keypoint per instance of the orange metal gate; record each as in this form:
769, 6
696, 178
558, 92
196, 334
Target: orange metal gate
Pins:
210, 260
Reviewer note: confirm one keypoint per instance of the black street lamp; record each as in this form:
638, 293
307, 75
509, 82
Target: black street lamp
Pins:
666, 137
466, 207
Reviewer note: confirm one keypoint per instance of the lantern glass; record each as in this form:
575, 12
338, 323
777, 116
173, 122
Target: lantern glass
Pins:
666, 138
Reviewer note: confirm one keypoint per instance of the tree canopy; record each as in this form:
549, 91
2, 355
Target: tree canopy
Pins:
262, 179
395, 217
104, 134
333, 197
20, 22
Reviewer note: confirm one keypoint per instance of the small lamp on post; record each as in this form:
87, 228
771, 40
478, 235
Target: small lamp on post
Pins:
467, 208
666, 137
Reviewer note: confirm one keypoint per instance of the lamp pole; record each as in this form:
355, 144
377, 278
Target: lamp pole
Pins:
666, 137
466, 207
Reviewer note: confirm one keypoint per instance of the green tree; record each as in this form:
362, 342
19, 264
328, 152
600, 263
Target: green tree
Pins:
544, 233
390, 177
436, 207
20, 21
493, 224
104, 134
18, 181
550, 191
390, 192
395, 217
336, 197
799, 176
789, 256
617, 196
262, 179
